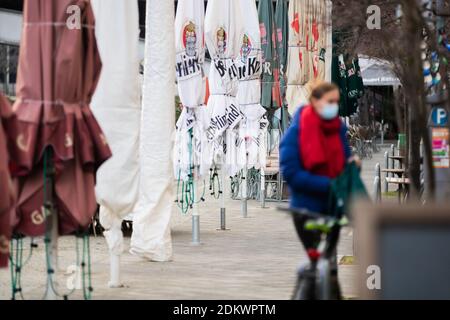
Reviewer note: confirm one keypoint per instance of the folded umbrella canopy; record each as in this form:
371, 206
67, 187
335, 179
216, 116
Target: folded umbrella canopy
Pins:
271, 97
151, 237
58, 71
116, 105
190, 56
249, 64
282, 36
224, 35
6, 187
346, 74
309, 37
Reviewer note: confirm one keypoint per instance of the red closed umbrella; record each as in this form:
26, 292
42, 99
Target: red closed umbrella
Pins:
6, 188
59, 67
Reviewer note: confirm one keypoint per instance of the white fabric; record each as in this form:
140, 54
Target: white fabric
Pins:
223, 34
190, 56
377, 72
116, 105
297, 95
329, 41
310, 47
249, 64
190, 51
151, 237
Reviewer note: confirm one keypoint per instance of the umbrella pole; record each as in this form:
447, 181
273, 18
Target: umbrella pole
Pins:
51, 236
114, 281
112, 237
114, 240
244, 192
263, 176
195, 213
263, 188
223, 220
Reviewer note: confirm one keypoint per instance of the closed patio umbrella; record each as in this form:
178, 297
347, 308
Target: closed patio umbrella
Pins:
252, 127
249, 64
58, 71
151, 239
271, 97
190, 136
347, 75
223, 35
190, 57
116, 105
6, 188
309, 55
282, 36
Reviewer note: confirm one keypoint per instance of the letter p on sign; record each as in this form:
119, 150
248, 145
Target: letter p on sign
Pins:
439, 116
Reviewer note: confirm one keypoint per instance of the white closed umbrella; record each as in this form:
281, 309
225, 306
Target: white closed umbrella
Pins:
223, 34
190, 137
310, 48
249, 64
151, 237
190, 56
116, 105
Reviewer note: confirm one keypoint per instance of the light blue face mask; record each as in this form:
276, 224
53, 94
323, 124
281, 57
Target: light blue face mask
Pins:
329, 111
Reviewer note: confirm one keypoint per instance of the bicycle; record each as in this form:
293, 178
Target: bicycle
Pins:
318, 279
362, 142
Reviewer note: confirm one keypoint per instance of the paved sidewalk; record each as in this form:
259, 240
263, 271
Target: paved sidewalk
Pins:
256, 259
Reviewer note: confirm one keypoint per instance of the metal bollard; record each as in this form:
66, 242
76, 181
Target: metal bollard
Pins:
263, 189
392, 160
386, 164
195, 217
223, 226
244, 194
378, 185
244, 208
376, 190
195, 230
378, 170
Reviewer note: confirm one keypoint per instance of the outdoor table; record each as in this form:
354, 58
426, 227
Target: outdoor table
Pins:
400, 159
403, 186
399, 172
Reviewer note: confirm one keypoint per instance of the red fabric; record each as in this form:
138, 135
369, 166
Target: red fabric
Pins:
56, 78
7, 195
207, 94
321, 146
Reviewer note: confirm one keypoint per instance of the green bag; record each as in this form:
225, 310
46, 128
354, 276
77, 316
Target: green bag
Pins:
345, 189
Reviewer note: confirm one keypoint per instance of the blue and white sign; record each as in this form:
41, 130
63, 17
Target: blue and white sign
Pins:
439, 117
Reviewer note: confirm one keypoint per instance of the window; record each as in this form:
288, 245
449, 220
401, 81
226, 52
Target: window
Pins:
9, 57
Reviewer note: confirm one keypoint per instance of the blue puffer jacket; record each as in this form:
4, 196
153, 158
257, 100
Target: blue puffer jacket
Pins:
307, 190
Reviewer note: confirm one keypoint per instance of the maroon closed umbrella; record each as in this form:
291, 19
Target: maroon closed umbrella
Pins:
6, 187
58, 71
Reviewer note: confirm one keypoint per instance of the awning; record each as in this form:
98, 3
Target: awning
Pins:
377, 72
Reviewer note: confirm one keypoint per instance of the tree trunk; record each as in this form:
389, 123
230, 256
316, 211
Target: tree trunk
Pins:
414, 91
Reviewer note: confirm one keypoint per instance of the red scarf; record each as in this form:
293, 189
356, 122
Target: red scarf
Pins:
322, 149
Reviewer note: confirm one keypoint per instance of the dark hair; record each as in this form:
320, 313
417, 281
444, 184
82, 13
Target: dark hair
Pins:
319, 90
